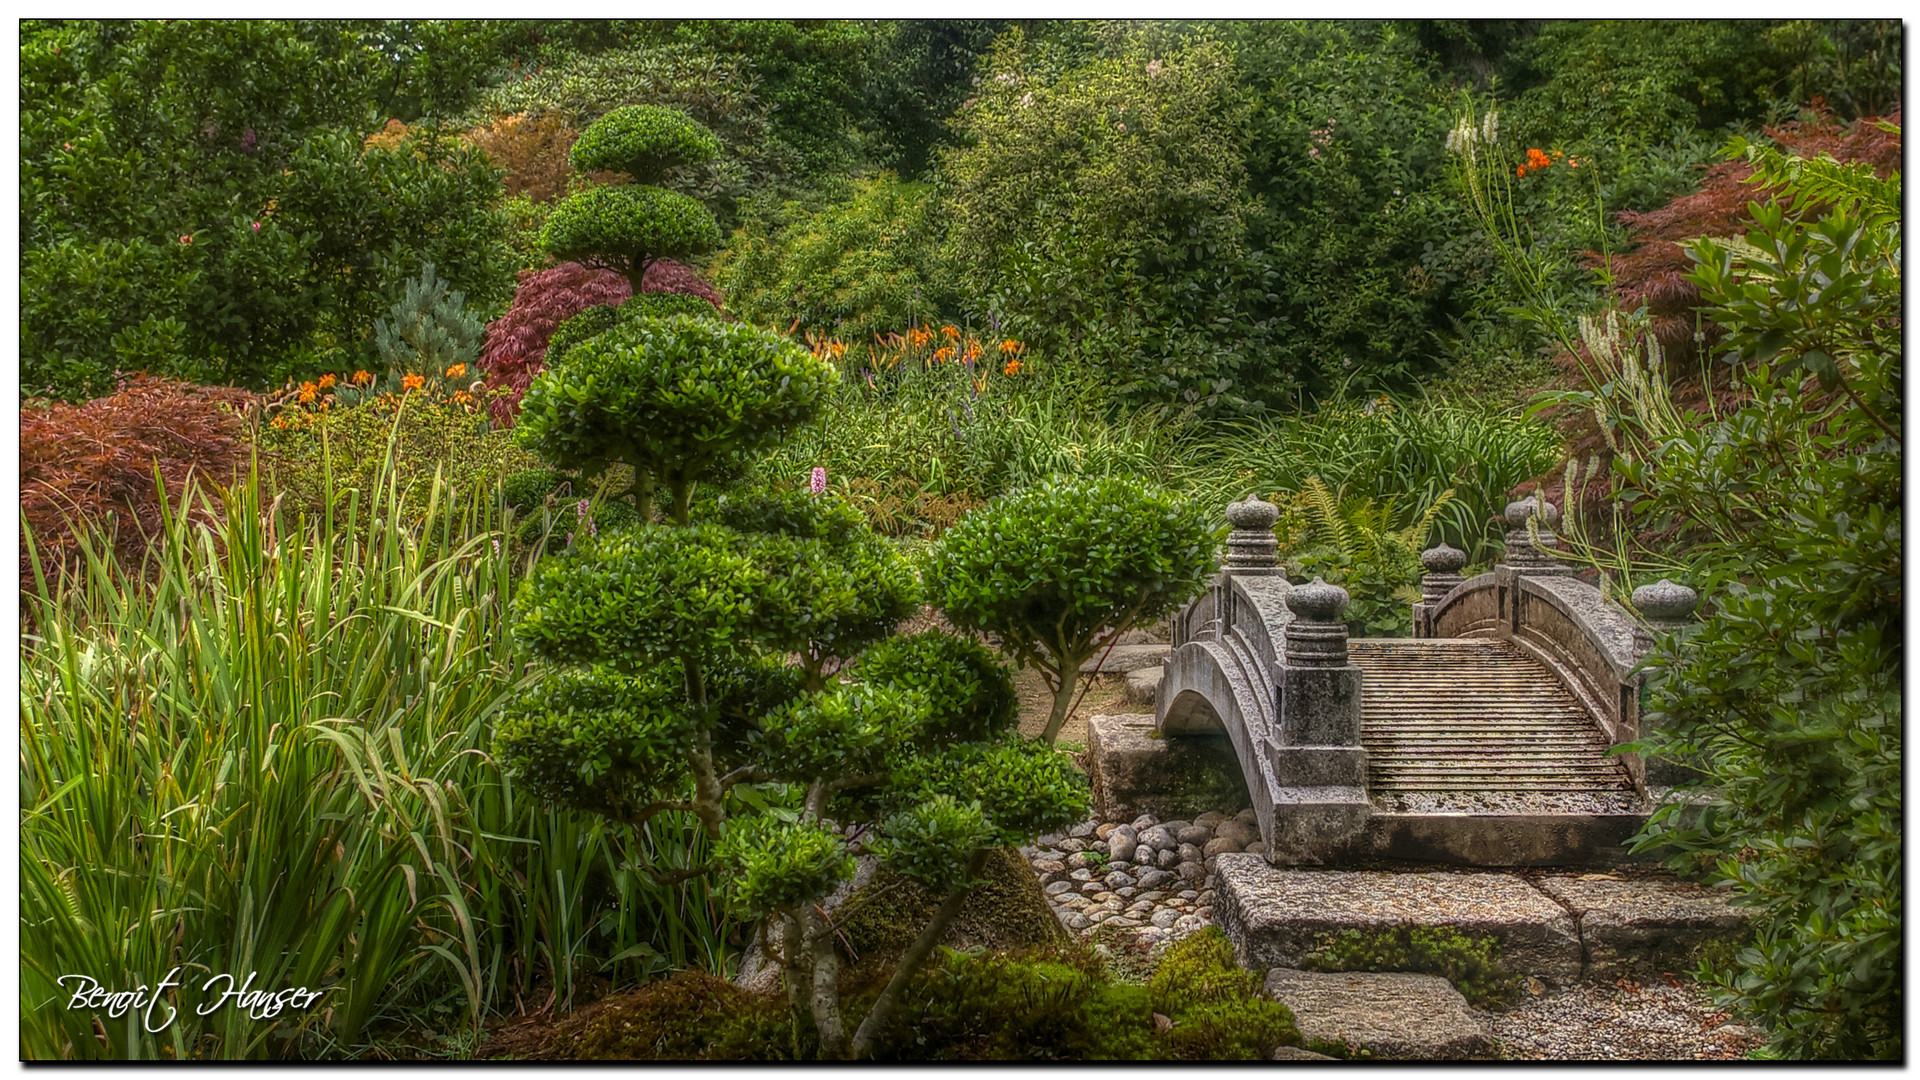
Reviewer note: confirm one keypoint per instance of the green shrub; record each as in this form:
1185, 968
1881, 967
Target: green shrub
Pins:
718, 91
1101, 213
198, 203
1789, 695
1059, 570
1372, 261
965, 684
1220, 1010
854, 270
597, 320
627, 226
673, 398
1471, 964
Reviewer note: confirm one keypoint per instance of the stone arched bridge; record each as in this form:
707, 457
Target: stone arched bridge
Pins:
1486, 739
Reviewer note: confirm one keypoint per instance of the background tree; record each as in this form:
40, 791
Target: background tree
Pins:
625, 227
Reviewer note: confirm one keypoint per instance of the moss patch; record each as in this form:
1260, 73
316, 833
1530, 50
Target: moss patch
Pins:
1007, 911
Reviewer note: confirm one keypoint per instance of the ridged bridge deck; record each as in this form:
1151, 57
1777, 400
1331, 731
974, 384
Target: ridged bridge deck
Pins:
1474, 725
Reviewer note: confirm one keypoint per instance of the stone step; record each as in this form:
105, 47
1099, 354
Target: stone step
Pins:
1143, 685
1394, 1016
1125, 658
1556, 926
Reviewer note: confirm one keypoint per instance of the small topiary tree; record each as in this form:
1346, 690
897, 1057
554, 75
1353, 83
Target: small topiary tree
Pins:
625, 227
670, 687
1058, 571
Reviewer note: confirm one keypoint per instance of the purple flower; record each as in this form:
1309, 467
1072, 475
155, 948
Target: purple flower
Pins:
818, 483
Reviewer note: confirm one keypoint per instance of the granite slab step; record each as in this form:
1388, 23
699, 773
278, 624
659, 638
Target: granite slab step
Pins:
1382, 1016
1278, 917
1125, 658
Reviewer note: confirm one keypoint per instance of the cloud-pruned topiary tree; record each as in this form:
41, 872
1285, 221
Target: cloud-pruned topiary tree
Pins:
1058, 571
625, 227
670, 680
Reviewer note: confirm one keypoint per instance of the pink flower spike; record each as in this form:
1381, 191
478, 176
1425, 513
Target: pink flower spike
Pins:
818, 484
186, 239
256, 226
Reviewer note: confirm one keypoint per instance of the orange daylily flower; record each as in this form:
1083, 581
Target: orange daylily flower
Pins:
327, 381
413, 382
1014, 367
456, 371
361, 378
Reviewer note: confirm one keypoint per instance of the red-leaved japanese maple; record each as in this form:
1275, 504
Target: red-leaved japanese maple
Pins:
82, 463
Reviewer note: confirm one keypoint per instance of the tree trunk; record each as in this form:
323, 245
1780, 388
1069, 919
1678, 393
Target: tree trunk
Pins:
824, 997
1063, 695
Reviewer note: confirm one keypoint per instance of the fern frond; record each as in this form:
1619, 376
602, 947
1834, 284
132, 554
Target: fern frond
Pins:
1324, 507
1416, 534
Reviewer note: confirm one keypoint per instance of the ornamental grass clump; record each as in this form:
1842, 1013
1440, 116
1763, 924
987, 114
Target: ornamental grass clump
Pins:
694, 666
1058, 571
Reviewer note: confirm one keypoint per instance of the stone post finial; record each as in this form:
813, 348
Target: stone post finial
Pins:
1251, 548
1443, 564
1317, 635
1525, 556
1664, 606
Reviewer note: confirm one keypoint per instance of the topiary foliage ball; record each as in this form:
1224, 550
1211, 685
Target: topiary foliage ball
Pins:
599, 319
972, 697
643, 141
674, 396
629, 225
1065, 558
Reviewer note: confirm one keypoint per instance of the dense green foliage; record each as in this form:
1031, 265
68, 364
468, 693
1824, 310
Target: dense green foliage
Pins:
1042, 1004
1789, 695
1058, 571
196, 202
1103, 208
855, 270
667, 685
303, 791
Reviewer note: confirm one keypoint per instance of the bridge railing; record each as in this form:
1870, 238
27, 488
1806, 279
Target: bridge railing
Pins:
1265, 663
1591, 645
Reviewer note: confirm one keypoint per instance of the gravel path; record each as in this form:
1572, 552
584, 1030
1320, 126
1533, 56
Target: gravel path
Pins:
1623, 1022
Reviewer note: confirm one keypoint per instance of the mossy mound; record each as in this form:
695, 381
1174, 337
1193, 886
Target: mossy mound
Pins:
674, 1019
1007, 911
1052, 1002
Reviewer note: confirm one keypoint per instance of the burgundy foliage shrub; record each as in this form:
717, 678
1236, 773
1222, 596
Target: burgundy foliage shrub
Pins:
515, 347
1652, 273
81, 463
